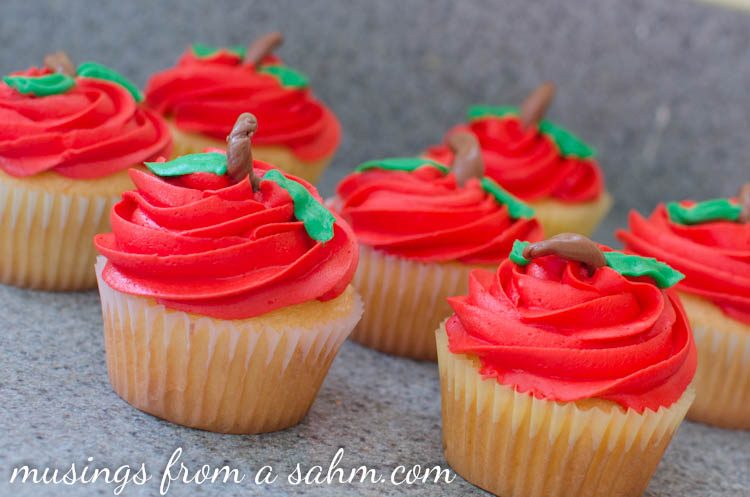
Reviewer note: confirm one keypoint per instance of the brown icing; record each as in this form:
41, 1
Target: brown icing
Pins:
239, 150
60, 62
260, 48
535, 106
744, 198
570, 246
467, 156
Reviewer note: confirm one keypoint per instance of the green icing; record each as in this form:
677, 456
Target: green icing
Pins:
516, 208
516, 255
41, 86
702, 212
288, 77
400, 164
95, 70
213, 162
317, 219
204, 51
482, 111
634, 265
568, 143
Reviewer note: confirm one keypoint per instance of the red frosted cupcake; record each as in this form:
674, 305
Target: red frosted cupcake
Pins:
421, 230
566, 372
710, 243
201, 95
66, 140
539, 162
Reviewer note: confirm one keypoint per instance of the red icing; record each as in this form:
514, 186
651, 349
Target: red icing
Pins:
424, 215
199, 244
93, 130
527, 163
550, 330
713, 256
205, 95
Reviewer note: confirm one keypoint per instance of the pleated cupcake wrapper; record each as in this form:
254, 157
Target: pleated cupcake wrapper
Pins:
558, 217
722, 380
226, 376
405, 302
46, 238
192, 143
515, 445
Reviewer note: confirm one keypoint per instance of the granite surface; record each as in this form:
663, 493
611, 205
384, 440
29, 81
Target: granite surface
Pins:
658, 86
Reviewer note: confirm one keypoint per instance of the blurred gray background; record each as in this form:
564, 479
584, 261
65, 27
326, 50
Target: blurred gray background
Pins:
659, 87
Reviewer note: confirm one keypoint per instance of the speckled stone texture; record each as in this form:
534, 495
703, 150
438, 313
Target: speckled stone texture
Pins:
658, 86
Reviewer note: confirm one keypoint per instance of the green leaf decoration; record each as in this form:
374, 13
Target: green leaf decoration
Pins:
317, 219
719, 209
516, 255
41, 86
205, 51
633, 265
476, 112
288, 77
408, 164
213, 162
568, 143
99, 71
516, 208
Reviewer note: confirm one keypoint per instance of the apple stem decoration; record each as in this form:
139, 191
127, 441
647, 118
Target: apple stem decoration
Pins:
535, 106
467, 157
260, 48
239, 150
570, 246
744, 198
60, 62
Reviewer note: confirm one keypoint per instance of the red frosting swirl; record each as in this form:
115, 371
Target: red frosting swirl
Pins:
93, 130
424, 215
549, 329
203, 94
199, 244
527, 163
713, 256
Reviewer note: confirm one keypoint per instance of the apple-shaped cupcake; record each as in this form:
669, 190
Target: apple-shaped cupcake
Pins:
67, 136
710, 243
566, 372
539, 162
201, 95
421, 229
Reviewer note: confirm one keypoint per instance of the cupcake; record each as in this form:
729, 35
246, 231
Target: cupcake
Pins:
539, 162
200, 98
421, 230
67, 136
225, 291
566, 373
710, 243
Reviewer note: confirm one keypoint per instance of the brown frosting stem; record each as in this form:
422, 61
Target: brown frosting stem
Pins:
744, 198
239, 150
570, 246
260, 48
60, 62
535, 106
467, 156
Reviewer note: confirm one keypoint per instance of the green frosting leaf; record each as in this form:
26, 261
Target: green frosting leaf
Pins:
476, 112
99, 71
288, 77
568, 143
702, 212
41, 86
633, 265
317, 219
400, 164
204, 51
516, 208
516, 255
213, 162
